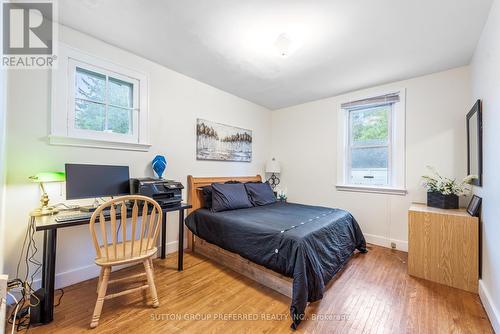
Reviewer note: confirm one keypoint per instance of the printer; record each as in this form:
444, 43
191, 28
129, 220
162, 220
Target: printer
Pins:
165, 192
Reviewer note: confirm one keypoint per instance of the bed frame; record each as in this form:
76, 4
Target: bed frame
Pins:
262, 275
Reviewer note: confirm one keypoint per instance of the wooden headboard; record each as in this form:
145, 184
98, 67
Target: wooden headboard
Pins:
195, 195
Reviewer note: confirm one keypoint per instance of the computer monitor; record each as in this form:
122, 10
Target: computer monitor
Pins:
92, 181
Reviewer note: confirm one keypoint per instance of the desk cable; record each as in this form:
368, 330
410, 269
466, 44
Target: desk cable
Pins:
22, 309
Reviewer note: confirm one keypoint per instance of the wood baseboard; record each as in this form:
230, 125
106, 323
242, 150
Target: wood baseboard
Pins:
247, 268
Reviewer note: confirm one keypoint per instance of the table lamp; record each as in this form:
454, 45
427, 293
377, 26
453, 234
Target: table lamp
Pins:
42, 178
273, 167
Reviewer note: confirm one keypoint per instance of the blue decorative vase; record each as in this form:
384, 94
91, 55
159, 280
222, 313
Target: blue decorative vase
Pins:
159, 164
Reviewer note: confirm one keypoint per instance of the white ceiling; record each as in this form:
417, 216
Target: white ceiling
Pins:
341, 45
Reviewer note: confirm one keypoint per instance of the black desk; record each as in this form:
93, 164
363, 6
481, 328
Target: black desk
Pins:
49, 226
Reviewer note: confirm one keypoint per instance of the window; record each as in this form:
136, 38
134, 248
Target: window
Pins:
369, 145
101, 105
372, 139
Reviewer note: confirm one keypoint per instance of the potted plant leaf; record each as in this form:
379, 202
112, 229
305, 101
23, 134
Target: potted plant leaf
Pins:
443, 192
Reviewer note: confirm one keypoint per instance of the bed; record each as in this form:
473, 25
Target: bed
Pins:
294, 249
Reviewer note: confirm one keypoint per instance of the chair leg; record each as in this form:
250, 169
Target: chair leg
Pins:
151, 262
151, 282
100, 297
101, 273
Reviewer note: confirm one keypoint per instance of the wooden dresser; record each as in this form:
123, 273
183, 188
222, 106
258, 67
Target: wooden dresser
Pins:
443, 246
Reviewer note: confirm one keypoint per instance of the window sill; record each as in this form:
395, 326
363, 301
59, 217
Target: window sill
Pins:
96, 143
372, 189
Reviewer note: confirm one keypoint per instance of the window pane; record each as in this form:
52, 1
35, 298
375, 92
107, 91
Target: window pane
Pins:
119, 120
90, 85
369, 166
89, 115
120, 93
370, 126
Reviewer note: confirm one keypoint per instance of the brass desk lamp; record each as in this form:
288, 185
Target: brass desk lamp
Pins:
42, 178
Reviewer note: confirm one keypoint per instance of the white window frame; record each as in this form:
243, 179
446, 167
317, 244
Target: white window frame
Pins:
63, 131
396, 146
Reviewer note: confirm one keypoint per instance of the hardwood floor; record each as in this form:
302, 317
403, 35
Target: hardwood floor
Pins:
372, 294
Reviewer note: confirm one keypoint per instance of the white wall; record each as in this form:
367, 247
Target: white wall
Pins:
486, 86
2, 163
3, 106
304, 139
175, 103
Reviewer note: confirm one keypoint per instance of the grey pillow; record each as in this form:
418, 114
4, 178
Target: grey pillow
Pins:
229, 196
206, 192
207, 196
260, 193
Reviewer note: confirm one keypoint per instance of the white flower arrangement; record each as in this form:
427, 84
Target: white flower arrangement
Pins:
281, 194
447, 186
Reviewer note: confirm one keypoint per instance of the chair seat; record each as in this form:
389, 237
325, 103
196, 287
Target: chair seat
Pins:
128, 258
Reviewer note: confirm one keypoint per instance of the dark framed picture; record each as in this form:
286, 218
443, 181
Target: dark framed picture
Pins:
475, 144
474, 205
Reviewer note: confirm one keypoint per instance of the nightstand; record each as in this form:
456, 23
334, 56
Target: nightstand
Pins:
443, 246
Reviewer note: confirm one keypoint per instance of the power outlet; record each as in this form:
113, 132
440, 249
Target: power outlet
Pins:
393, 245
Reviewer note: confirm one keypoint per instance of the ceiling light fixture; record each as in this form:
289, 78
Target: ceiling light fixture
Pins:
283, 45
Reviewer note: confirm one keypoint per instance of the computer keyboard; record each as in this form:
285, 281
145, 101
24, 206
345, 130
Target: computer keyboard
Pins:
74, 216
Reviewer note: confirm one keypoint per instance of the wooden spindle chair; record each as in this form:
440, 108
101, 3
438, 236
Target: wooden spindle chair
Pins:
137, 244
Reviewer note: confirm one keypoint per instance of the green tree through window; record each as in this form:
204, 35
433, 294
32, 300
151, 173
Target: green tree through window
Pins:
102, 103
369, 145
370, 124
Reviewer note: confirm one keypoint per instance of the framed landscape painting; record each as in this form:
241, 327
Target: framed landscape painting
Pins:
221, 142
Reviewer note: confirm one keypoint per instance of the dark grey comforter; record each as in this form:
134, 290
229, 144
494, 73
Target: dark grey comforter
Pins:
307, 243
